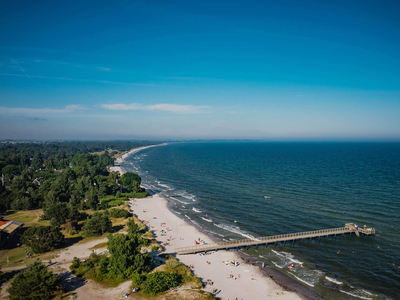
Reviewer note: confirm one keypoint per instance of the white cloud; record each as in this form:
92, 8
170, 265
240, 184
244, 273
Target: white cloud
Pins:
174, 108
38, 111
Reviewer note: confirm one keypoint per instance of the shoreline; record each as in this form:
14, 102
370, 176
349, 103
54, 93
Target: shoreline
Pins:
283, 285
251, 283
120, 159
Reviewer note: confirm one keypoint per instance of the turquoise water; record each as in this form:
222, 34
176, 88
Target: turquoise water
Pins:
240, 190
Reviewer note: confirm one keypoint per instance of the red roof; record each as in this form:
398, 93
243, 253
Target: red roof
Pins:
3, 222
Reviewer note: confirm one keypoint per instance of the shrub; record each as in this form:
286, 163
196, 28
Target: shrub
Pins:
111, 201
136, 195
137, 278
75, 263
36, 282
118, 213
154, 247
103, 265
158, 282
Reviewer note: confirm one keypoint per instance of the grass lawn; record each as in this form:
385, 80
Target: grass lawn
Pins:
17, 257
28, 217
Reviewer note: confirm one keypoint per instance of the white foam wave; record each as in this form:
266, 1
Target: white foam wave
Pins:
176, 212
355, 295
234, 229
207, 220
187, 196
183, 202
267, 197
280, 267
288, 256
196, 210
333, 280
164, 185
368, 293
212, 232
195, 223
299, 279
187, 217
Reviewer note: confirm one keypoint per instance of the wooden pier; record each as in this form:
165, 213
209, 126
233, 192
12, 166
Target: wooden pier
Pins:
347, 229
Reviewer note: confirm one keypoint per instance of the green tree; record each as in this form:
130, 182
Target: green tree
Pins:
34, 283
37, 162
92, 198
125, 256
131, 182
57, 210
9, 171
21, 204
98, 224
42, 238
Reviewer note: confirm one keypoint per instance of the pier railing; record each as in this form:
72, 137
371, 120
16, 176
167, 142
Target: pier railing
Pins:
349, 228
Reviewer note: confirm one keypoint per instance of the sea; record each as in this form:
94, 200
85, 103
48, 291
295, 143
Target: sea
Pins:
237, 190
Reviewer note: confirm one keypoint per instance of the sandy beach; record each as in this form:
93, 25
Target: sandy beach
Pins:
248, 281
121, 158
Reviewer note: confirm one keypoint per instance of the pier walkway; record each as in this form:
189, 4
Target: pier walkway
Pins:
348, 229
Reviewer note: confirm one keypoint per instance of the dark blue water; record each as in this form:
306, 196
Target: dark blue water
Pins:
238, 190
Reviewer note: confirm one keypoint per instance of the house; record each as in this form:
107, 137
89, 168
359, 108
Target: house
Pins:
7, 229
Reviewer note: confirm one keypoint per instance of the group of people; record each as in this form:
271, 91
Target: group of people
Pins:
234, 277
200, 242
233, 263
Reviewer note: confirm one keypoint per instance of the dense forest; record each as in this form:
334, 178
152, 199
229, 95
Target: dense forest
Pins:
62, 178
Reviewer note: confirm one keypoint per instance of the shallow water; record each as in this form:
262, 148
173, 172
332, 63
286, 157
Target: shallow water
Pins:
244, 190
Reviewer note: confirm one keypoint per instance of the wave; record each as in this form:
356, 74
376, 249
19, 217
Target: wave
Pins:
188, 217
267, 197
355, 295
368, 293
195, 223
166, 186
280, 267
234, 229
207, 220
196, 210
183, 202
288, 256
299, 279
333, 280
187, 196
212, 232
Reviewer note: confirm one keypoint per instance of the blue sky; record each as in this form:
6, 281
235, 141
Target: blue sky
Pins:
273, 70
